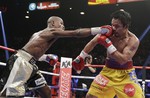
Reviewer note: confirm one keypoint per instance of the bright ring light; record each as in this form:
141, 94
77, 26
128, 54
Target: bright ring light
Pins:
32, 6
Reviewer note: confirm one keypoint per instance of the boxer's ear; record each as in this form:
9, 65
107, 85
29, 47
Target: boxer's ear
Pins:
51, 24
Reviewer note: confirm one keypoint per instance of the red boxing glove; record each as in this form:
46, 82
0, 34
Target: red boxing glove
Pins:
103, 40
52, 59
78, 63
107, 30
104, 30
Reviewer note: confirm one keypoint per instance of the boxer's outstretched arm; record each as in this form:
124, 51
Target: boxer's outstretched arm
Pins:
73, 33
91, 44
84, 32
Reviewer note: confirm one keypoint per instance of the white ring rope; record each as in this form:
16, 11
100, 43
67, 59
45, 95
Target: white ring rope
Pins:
73, 76
3, 64
80, 77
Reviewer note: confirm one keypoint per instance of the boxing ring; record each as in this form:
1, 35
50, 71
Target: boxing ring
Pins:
143, 81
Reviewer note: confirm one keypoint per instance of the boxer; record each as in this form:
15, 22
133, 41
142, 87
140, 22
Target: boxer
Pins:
21, 70
118, 76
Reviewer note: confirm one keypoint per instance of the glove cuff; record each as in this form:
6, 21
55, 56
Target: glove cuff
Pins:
111, 49
95, 30
83, 54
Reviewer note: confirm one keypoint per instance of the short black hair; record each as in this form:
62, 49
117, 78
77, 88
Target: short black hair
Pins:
123, 16
88, 58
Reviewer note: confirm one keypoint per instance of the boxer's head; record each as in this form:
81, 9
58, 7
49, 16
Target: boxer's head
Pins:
55, 22
121, 21
88, 59
123, 16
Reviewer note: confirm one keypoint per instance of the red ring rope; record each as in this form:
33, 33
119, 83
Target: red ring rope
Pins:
6, 48
13, 50
95, 66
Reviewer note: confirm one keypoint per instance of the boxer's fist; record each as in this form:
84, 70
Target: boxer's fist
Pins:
52, 59
78, 63
104, 30
103, 40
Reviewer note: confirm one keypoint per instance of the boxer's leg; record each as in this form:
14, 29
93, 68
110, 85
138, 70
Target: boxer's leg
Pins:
44, 91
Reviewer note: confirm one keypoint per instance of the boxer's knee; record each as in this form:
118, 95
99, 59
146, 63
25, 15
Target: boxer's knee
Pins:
44, 92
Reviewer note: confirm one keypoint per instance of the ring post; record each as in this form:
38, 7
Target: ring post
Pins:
4, 36
65, 77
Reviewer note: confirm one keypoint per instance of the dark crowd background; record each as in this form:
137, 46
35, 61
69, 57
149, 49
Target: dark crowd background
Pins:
18, 29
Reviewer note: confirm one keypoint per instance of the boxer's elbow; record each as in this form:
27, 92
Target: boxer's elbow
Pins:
82, 33
123, 60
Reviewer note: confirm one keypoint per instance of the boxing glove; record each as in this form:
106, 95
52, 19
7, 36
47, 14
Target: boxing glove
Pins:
103, 40
104, 30
52, 59
78, 63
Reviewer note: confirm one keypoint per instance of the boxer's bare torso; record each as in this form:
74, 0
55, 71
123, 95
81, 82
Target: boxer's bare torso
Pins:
123, 42
39, 43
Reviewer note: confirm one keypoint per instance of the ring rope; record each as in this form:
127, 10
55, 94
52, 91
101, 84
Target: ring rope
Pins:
76, 89
6, 48
13, 50
96, 66
73, 76
80, 77
138, 67
2, 64
80, 89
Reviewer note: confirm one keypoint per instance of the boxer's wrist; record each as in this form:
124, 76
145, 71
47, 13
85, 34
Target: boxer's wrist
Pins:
48, 57
95, 30
111, 49
106, 30
83, 54
43, 58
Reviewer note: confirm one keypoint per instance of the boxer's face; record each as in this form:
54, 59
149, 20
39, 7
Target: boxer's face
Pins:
59, 24
56, 23
117, 27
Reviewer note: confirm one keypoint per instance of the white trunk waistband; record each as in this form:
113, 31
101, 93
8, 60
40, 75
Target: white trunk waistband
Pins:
28, 57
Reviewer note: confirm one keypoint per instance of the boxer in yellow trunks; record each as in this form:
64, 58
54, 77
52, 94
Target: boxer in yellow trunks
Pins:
118, 76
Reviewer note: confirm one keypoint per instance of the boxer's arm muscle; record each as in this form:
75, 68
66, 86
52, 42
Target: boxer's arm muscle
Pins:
90, 45
128, 52
73, 33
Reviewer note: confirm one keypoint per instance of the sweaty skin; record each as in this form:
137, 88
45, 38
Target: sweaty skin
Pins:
125, 42
38, 44
41, 41
118, 71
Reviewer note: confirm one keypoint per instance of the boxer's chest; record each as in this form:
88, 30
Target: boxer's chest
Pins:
119, 43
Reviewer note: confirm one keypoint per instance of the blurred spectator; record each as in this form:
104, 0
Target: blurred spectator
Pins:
85, 83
